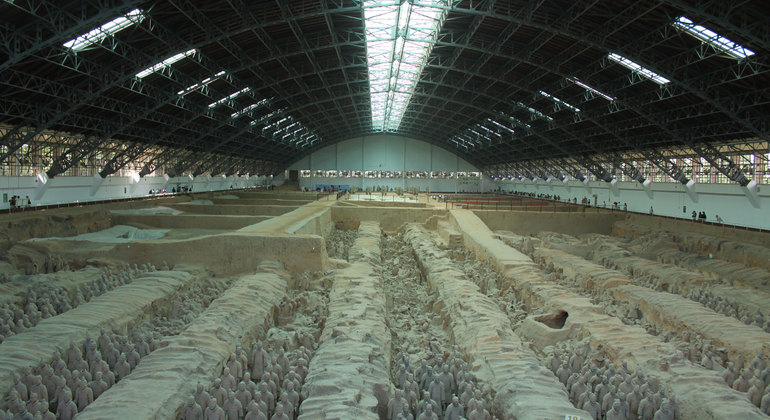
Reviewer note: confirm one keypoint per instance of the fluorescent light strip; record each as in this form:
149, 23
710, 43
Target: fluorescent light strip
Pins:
165, 63
712, 38
488, 130
501, 126
457, 140
469, 139
479, 134
229, 97
559, 101
515, 121
243, 111
534, 112
590, 89
637, 68
112, 27
268, 116
202, 83
399, 39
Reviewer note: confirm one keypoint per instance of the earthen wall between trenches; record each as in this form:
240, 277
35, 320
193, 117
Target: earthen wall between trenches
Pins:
162, 381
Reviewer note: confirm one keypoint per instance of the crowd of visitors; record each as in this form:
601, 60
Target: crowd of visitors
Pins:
18, 202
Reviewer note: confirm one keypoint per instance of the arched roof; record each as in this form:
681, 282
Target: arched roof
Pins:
488, 90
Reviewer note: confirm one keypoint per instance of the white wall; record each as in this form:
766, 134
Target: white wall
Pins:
71, 189
733, 203
389, 153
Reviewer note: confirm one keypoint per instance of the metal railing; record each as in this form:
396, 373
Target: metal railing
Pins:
60, 205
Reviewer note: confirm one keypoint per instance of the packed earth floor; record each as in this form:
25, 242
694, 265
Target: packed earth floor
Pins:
442, 318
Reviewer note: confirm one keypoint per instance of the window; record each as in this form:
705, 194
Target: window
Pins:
229, 97
248, 109
202, 83
504, 127
590, 89
534, 112
711, 38
559, 101
165, 63
638, 69
399, 39
110, 28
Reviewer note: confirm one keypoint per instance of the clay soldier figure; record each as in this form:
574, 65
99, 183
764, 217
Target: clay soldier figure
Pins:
254, 413
755, 392
213, 411
405, 414
192, 411
633, 399
201, 396
228, 380
250, 385
103, 340
268, 380
765, 404
234, 365
83, 396
265, 396
19, 387
617, 412
279, 414
454, 411
243, 395
232, 407
593, 407
293, 395
729, 374
426, 379
67, 408
286, 406
477, 402
428, 414
664, 413
395, 405
218, 392
427, 402
436, 391
258, 360
35, 405
122, 368
98, 385
72, 354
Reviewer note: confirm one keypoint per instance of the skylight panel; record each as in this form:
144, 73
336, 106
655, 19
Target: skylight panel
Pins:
637, 68
559, 101
712, 38
202, 83
399, 39
590, 89
229, 97
110, 28
165, 63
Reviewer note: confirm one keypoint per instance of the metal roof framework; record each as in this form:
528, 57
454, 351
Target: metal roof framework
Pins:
305, 63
